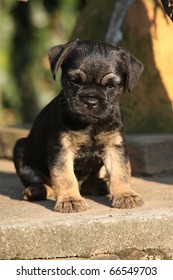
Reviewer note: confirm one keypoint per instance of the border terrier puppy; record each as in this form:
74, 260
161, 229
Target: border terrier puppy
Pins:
81, 130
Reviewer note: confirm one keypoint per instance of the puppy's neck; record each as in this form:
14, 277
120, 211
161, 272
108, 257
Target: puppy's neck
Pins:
102, 125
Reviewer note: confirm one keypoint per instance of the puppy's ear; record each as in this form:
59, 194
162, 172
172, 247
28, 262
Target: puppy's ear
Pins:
58, 53
134, 69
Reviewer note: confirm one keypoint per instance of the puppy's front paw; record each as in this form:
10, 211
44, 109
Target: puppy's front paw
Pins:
71, 206
127, 200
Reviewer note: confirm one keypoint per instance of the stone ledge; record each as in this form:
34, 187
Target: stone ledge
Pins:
151, 154
8, 137
32, 230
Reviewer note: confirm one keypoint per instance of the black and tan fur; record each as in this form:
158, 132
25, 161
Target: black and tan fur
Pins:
80, 132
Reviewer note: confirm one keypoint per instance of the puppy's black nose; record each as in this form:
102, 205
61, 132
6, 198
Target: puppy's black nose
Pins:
90, 102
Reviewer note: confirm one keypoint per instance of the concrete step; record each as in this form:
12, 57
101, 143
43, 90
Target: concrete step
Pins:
33, 231
149, 154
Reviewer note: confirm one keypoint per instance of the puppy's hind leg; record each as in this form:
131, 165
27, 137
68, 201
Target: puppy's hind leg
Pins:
37, 186
96, 184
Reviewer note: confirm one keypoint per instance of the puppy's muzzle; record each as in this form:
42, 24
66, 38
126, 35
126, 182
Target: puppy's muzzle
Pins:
90, 102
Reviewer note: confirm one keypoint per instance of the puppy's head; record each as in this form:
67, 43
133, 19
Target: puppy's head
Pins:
94, 75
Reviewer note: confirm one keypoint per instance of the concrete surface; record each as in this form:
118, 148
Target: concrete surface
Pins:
32, 230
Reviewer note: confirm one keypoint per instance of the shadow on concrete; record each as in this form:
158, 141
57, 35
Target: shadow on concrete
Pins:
48, 203
104, 200
11, 187
164, 178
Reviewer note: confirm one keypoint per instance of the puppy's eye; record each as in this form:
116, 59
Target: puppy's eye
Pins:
75, 80
110, 85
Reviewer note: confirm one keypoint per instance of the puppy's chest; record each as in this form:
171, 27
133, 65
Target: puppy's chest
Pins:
89, 149
88, 158
91, 146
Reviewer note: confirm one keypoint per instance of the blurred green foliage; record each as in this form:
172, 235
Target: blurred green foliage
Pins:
28, 31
